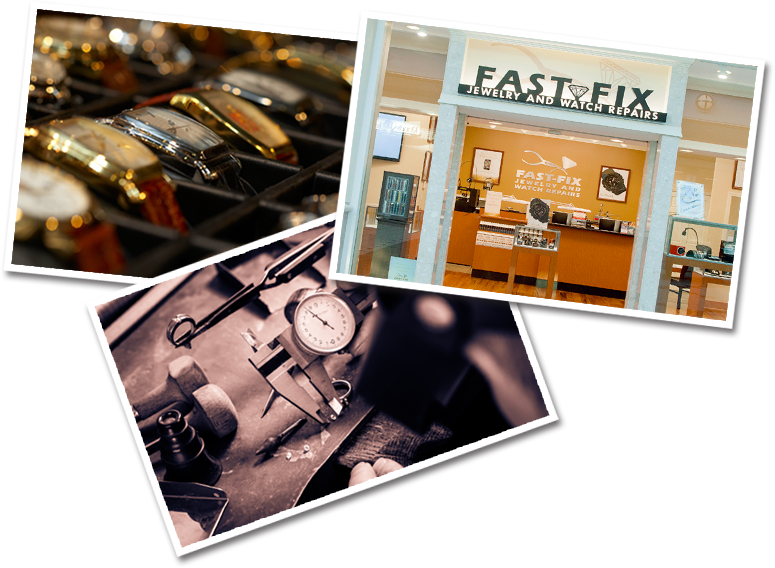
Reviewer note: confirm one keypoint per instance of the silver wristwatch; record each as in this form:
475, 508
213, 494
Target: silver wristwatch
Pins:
188, 150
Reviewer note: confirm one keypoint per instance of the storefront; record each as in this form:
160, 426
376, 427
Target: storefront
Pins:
548, 170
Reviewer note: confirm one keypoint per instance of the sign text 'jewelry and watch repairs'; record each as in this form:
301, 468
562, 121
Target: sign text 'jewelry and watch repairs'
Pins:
599, 82
509, 88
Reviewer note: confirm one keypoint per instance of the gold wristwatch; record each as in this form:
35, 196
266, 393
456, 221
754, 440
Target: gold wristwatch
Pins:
49, 82
117, 165
234, 119
83, 46
152, 42
59, 210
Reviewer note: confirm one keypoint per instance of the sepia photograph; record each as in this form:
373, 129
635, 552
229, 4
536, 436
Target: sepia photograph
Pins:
258, 386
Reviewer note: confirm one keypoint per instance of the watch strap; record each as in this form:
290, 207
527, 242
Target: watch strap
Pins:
98, 249
161, 207
116, 75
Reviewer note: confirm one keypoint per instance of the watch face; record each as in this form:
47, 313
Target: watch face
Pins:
176, 125
45, 68
75, 31
44, 191
246, 116
114, 147
324, 323
264, 85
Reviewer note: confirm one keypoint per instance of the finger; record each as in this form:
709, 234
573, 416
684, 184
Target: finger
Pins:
360, 473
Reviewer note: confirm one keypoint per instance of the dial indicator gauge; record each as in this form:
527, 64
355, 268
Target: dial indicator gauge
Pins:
323, 323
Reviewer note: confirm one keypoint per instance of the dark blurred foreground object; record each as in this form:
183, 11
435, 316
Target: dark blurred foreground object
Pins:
432, 336
442, 372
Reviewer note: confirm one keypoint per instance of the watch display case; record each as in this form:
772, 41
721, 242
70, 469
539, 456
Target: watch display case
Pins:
712, 243
533, 237
219, 219
397, 197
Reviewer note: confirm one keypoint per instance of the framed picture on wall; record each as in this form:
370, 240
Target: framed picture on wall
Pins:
487, 165
737, 182
426, 166
614, 184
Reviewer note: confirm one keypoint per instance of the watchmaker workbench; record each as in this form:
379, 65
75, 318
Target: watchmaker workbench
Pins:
257, 488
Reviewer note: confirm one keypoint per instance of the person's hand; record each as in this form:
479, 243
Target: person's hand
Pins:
364, 471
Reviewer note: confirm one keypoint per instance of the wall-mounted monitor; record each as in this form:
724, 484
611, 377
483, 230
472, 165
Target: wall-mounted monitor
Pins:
390, 136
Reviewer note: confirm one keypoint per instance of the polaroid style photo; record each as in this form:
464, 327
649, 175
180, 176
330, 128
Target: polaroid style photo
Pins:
270, 389
599, 132
148, 145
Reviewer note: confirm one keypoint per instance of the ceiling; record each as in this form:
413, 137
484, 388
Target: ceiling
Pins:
411, 54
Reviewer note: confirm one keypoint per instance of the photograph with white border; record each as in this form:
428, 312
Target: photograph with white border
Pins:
559, 113
148, 144
257, 388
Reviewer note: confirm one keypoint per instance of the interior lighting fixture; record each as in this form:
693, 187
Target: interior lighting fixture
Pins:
616, 140
723, 73
413, 27
421, 34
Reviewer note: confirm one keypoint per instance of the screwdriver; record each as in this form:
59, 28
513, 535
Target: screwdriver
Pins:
271, 444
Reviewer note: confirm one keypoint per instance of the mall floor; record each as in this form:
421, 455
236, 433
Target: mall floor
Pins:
458, 277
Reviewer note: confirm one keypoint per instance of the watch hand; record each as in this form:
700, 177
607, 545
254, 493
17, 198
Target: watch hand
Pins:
318, 317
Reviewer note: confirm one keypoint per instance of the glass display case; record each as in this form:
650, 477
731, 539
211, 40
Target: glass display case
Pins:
533, 237
711, 243
398, 196
371, 216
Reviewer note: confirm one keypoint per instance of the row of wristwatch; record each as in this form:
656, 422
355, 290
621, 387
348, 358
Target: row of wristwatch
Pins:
133, 158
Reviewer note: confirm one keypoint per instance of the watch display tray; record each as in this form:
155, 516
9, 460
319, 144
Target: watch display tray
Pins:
219, 220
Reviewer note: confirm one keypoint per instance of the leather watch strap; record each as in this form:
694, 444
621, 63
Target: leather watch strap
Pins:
161, 206
98, 249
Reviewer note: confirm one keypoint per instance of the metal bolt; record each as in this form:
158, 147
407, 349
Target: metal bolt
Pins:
288, 456
306, 448
332, 417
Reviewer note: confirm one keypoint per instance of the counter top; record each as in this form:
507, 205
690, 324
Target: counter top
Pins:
592, 230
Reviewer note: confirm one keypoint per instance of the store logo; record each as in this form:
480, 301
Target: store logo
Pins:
541, 182
509, 88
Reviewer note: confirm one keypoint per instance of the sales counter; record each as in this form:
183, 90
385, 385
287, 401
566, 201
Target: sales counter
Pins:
589, 261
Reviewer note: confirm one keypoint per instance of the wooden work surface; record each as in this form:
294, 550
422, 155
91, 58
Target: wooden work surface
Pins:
256, 490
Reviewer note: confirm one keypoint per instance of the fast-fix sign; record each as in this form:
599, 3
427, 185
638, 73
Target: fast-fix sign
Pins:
572, 81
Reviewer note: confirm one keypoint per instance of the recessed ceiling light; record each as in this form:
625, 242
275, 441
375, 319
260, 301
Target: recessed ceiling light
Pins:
616, 140
491, 122
722, 76
421, 34
685, 150
413, 27
492, 126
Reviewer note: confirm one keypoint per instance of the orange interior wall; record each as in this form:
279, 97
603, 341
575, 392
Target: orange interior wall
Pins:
589, 158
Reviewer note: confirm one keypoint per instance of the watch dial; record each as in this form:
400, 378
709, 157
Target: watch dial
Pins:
116, 148
264, 85
45, 192
73, 30
44, 68
324, 323
177, 125
247, 116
